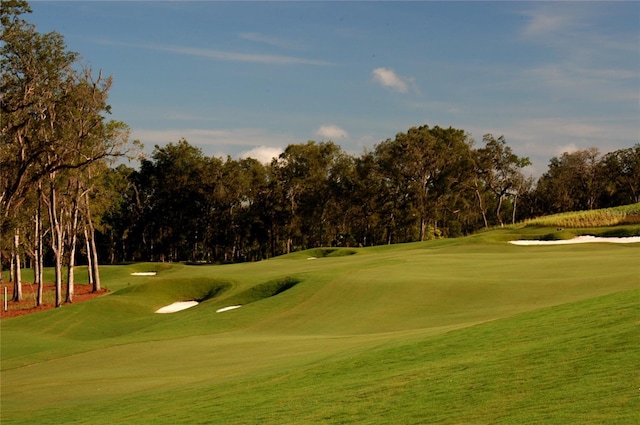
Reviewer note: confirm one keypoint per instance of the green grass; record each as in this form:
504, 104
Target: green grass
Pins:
471, 330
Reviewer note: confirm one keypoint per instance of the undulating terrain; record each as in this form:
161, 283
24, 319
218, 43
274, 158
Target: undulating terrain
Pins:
468, 330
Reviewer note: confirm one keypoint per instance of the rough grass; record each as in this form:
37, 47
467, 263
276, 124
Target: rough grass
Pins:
627, 214
472, 330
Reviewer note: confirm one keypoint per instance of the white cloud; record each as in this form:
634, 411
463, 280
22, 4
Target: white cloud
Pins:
387, 77
548, 20
544, 21
599, 84
264, 154
270, 40
239, 142
570, 148
223, 55
542, 138
331, 132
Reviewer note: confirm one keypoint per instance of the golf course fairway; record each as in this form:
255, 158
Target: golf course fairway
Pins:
454, 331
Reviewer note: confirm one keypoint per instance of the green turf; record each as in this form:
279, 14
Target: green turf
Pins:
471, 330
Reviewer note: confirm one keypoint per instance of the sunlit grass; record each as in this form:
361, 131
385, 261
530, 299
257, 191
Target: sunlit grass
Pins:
470, 330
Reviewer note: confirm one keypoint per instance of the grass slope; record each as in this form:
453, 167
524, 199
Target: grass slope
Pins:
472, 330
604, 217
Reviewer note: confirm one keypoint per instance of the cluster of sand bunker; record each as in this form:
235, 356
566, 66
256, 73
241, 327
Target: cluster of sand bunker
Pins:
183, 305
253, 294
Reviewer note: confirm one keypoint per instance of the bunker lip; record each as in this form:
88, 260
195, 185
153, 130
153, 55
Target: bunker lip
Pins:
231, 307
579, 239
177, 306
144, 273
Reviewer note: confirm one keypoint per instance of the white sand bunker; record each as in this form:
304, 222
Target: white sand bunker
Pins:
178, 306
144, 273
231, 307
579, 239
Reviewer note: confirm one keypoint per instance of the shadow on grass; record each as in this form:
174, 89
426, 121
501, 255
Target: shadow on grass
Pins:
264, 290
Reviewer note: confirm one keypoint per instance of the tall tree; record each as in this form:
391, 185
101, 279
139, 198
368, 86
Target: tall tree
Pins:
52, 123
500, 169
571, 182
35, 71
423, 166
305, 172
620, 174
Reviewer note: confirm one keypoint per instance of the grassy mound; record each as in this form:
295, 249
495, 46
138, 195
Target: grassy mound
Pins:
163, 291
329, 252
263, 290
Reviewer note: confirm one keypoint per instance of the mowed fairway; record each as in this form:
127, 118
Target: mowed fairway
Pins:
471, 330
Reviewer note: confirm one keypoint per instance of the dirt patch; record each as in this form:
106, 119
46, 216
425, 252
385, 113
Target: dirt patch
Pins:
82, 292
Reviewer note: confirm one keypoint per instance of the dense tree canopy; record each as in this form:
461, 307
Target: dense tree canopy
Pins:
426, 183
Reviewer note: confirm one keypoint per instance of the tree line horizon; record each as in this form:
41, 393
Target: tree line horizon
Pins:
427, 183
64, 201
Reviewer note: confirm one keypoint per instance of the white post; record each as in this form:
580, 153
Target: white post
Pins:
5, 298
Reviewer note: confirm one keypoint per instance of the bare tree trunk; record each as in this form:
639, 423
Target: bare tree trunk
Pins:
479, 195
73, 239
89, 257
17, 277
36, 250
38, 257
500, 198
71, 271
92, 250
57, 238
95, 271
58, 279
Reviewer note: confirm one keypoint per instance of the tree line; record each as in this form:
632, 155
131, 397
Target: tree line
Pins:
426, 183
64, 201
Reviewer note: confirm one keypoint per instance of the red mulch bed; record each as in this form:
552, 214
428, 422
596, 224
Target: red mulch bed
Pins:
81, 292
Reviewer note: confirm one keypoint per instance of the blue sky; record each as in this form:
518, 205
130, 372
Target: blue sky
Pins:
249, 78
